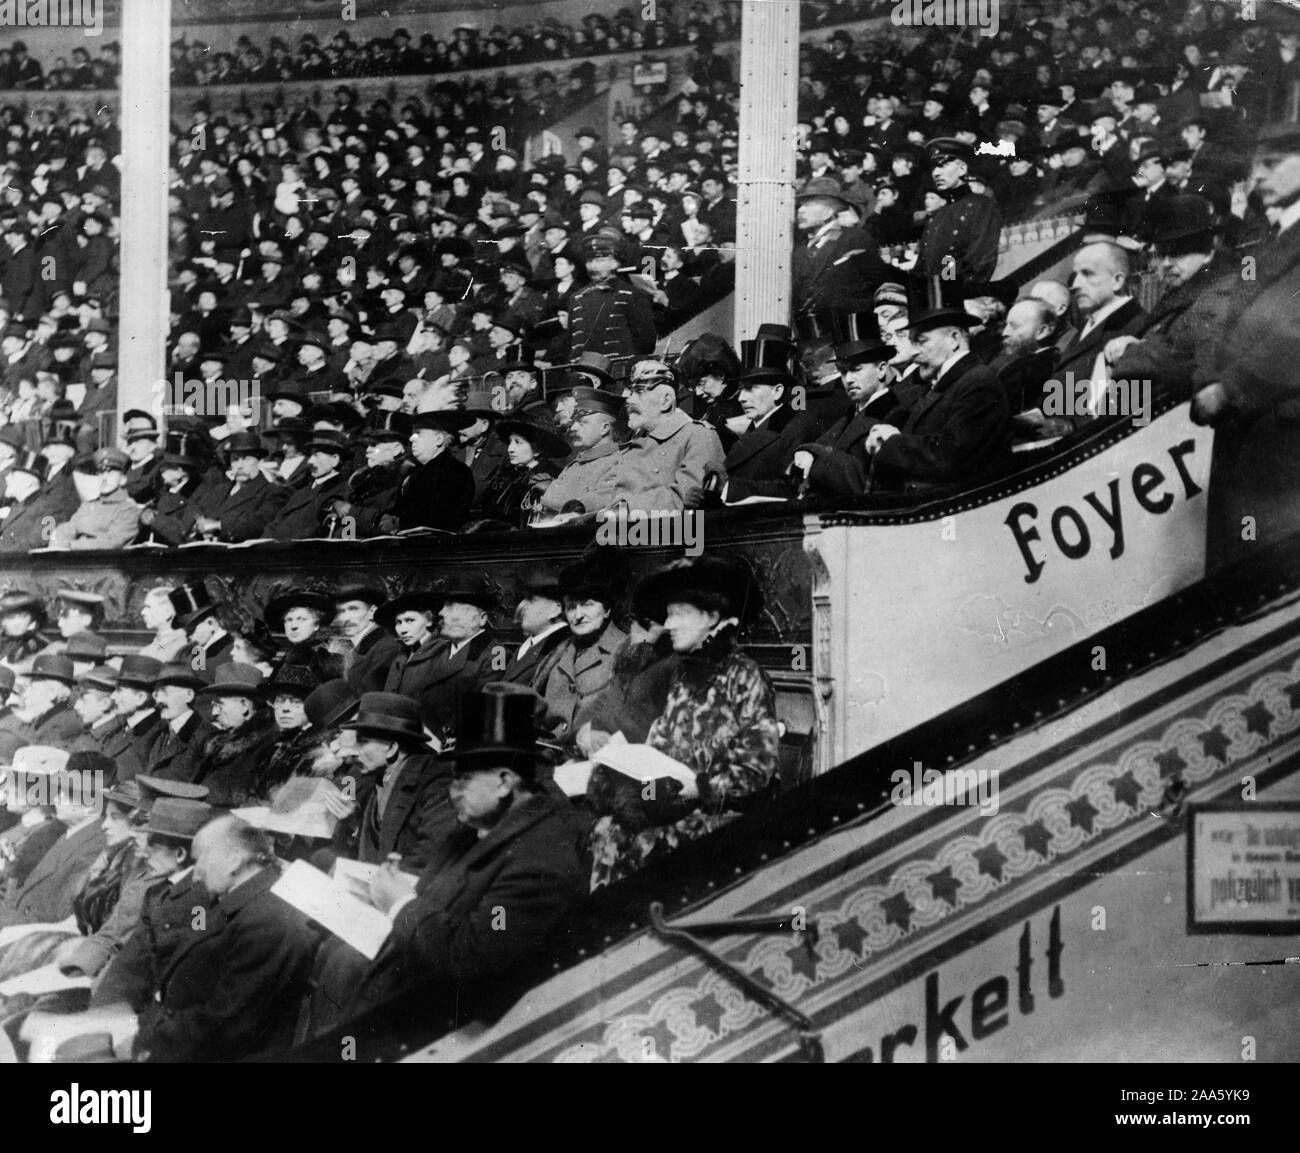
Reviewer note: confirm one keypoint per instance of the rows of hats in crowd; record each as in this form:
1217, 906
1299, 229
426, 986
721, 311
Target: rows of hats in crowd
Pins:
426, 734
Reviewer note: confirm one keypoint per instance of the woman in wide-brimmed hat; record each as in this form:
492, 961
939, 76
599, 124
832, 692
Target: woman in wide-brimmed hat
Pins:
535, 453
719, 721
302, 615
286, 692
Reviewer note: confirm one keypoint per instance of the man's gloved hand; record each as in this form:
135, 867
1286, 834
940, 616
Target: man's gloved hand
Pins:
1210, 405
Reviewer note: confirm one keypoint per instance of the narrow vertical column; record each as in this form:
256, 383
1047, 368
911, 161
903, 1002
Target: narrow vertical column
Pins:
769, 79
146, 138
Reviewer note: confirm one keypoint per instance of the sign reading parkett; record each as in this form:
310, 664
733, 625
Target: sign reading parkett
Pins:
1243, 868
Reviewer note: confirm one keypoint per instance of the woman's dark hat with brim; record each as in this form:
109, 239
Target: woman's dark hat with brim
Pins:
276, 608
388, 716
423, 601
722, 584
545, 443
445, 419
20, 601
496, 729
593, 578
235, 680
291, 681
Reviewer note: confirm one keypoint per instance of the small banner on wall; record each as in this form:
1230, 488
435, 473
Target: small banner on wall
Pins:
1243, 868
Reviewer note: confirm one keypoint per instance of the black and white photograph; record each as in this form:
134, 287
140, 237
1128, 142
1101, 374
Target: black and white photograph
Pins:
650, 532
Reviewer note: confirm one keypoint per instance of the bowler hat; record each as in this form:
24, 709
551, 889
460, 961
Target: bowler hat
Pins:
52, 667
496, 729
180, 675
374, 594
139, 672
329, 440
1184, 224
245, 443
723, 584
327, 704
444, 419
85, 647
822, 187
465, 589
178, 817
235, 680
946, 316
389, 715
393, 425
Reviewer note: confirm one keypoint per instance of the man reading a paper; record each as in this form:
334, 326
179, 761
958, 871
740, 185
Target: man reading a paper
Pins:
494, 893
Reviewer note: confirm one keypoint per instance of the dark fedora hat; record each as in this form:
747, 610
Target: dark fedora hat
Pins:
53, 667
192, 603
277, 606
86, 647
856, 352
594, 364
101, 677
330, 441
822, 188
466, 589
246, 443
496, 729
328, 704
139, 672
235, 680
292, 426
1185, 224
424, 602
374, 594
946, 316
722, 584
178, 817
181, 675
389, 716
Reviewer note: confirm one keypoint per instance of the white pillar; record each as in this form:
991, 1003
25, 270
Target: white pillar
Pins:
769, 81
146, 139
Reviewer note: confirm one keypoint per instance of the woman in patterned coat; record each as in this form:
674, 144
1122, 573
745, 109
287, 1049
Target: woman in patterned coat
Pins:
719, 720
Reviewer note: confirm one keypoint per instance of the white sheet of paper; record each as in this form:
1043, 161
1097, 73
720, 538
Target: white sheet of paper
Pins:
46, 979
298, 808
354, 876
16, 932
572, 777
641, 762
311, 892
47, 1031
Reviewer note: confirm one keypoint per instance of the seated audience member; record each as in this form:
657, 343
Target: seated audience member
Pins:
757, 461
540, 617
242, 507
46, 896
107, 518
438, 492
407, 810
372, 648
638, 690
373, 490
94, 707
77, 613
210, 644
959, 432
181, 730
286, 691
1025, 365
302, 615
47, 702
517, 842
22, 616
534, 455
583, 664
159, 616
719, 721
28, 803
179, 484
227, 760
1056, 296
232, 989
302, 515
838, 463
32, 507
129, 740
663, 466
593, 435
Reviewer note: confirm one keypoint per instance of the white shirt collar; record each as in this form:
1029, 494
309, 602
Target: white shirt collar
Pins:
947, 364
1104, 311
178, 723
1290, 214
451, 652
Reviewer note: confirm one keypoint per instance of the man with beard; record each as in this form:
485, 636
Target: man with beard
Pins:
46, 706
663, 466
438, 492
1177, 344
373, 648
373, 490
1026, 363
242, 508
593, 434
838, 463
227, 761
302, 515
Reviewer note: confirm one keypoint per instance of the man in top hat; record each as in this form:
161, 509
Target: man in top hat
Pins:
32, 509
46, 896
1179, 342
463, 659
665, 462
960, 240
518, 842
835, 267
303, 514
180, 731
1254, 404
837, 463
959, 432
439, 491
196, 612
106, 519
373, 648
609, 315
757, 463
240, 508
593, 433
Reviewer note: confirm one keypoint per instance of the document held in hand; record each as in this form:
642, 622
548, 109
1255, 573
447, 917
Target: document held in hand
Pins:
641, 762
327, 902
46, 979
298, 809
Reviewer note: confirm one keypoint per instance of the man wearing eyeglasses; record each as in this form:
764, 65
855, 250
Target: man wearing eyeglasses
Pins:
585, 480
663, 466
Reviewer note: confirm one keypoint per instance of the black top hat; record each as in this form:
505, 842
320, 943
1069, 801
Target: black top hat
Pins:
139, 672
389, 716
192, 604
277, 606
519, 358
722, 584
849, 327
497, 729
814, 325
766, 353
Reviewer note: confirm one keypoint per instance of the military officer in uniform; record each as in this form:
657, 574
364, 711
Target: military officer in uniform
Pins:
109, 520
960, 241
593, 433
